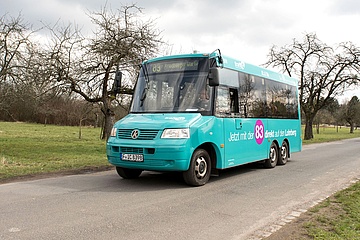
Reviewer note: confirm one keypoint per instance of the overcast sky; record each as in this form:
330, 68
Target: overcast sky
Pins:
243, 29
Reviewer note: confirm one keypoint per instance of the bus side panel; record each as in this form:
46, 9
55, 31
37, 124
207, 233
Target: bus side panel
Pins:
244, 141
248, 140
281, 129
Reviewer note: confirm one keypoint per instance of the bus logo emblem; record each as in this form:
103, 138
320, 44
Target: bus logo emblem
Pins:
135, 134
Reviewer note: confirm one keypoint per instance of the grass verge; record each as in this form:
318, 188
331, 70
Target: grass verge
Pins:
338, 217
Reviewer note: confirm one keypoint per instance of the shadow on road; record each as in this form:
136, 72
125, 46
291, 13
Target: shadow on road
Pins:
154, 181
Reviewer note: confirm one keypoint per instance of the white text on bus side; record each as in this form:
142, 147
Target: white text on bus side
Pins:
236, 136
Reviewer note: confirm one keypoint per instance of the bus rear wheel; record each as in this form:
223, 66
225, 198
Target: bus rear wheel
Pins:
128, 173
284, 154
199, 170
273, 156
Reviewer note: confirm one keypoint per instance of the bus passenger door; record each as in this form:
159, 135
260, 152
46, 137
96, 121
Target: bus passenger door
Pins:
241, 146
244, 137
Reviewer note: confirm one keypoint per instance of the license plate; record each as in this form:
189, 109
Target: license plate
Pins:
132, 157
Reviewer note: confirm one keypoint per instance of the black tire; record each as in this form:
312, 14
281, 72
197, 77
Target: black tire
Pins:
273, 156
128, 173
284, 154
199, 170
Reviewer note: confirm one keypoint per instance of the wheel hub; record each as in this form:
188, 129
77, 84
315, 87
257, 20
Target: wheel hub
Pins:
283, 152
200, 167
272, 155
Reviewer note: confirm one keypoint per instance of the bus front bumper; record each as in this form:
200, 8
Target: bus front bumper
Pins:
166, 157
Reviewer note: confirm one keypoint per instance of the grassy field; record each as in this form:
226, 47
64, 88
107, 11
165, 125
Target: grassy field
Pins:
28, 149
328, 134
34, 149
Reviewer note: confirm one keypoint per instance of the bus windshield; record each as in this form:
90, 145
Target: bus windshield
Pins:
175, 85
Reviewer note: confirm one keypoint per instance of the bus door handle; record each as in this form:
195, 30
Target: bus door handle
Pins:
238, 124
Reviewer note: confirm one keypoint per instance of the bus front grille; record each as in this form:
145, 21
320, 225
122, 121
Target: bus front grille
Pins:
132, 150
143, 134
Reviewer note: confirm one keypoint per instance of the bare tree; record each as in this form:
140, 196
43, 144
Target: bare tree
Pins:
24, 71
14, 38
324, 72
87, 65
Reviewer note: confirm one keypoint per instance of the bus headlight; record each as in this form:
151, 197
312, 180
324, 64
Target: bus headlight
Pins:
176, 133
113, 132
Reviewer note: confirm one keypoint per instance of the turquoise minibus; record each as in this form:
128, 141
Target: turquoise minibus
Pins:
198, 113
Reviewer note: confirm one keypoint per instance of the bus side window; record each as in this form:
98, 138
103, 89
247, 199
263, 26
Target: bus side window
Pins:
246, 93
234, 101
222, 107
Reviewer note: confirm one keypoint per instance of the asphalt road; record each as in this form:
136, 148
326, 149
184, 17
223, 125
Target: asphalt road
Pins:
248, 202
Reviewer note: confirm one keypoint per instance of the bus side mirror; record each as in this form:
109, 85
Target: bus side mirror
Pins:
117, 82
214, 77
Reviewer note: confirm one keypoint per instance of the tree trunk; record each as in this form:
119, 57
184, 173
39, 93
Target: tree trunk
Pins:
318, 127
308, 128
352, 127
109, 122
80, 130
96, 123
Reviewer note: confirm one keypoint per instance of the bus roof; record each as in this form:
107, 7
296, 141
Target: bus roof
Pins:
237, 65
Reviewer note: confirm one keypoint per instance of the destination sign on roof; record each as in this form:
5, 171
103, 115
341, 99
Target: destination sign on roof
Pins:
173, 66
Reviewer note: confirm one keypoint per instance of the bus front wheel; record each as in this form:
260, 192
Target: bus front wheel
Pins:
273, 156
200, 169
128, 173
